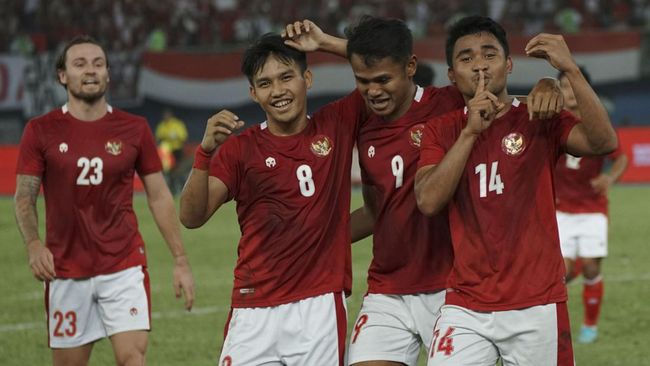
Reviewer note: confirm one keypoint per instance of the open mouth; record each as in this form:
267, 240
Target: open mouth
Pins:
282, 104
379, 103
90, 82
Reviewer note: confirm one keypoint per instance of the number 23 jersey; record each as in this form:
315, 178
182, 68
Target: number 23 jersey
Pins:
293, 205
87, 175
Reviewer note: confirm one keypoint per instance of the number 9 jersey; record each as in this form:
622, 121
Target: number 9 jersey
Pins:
87, 174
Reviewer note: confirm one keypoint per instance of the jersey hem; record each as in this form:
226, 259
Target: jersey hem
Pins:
288, 300
453, 298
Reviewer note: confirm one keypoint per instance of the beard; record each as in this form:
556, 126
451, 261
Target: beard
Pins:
89, 98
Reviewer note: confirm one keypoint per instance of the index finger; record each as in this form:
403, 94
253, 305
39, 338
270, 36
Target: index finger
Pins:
481, 83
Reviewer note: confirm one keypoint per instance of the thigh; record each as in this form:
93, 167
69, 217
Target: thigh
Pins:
539, 335
73, 316
130, 347
592, 242
384, 331
77, 356
123, 299
462, 337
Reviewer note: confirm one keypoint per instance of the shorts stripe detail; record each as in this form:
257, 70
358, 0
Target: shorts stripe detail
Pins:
564, 347
341, 325
47, 310
147, 290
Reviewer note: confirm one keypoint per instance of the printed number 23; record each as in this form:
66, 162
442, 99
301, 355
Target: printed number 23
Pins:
496, 185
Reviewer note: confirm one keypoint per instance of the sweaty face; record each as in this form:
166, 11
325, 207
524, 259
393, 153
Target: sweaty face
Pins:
480, 51
86, 72
281, 90
386, 86
570, 101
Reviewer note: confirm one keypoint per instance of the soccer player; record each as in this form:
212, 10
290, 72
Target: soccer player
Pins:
581, 188
93, 262
290, 178
492, 168
412, 253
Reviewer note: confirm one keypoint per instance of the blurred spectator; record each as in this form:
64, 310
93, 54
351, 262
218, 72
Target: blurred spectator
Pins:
171, 134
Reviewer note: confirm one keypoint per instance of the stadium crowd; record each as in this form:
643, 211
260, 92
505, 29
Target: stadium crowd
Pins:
28, 26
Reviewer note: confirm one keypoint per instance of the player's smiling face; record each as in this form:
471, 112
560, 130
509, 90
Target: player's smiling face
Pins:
86, 72
281, 90
480, 51
386, 85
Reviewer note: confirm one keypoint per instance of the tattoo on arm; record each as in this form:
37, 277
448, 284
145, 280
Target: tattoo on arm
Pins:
27, 188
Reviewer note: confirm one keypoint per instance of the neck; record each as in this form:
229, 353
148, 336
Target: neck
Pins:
287, 128
85, 111
404, 107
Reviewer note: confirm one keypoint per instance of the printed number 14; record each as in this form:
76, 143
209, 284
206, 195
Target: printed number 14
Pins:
496, 185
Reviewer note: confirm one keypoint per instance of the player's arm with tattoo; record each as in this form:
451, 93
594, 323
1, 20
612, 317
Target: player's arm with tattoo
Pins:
41, 261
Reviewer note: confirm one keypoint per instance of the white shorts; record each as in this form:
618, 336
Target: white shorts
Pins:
81, 311
582, 235
539, 335
393, 327
306, 332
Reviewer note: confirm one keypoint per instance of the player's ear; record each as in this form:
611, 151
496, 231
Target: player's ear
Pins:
61, 76
251, 92
411, 65
307, 75
509, 65
451, 76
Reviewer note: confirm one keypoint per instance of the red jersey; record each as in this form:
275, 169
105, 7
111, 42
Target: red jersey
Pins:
87, 173
502, 215
293, 206
573, 190
411, 252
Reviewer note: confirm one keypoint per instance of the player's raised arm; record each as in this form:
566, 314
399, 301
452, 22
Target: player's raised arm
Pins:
595, 134
436, 184
161, 205
41, 261
306, 36
202, 195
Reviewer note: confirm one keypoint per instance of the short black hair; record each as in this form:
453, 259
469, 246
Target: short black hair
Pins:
472, 25
81, 39
424, 75
269, 44
375, 38
583, 70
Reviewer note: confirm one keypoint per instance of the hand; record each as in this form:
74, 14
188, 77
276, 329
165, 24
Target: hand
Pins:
483, 108
184, 281
218, 128
545, 101
601, 183
304, 36
554, 49
41, 261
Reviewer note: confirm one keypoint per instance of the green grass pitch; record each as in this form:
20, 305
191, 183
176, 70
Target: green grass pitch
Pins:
181, 338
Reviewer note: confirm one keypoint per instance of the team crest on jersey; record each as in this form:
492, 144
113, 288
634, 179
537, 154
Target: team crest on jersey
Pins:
513, 144
371, 151
321, 146
133, 311
113, 147
63, 147
415, 135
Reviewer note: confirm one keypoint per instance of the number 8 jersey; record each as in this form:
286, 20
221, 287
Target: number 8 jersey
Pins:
87, 175
293, 205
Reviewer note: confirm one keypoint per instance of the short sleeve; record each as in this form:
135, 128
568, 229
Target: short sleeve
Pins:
224, 165
31, 160
351, 110
148, 160
433, 148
